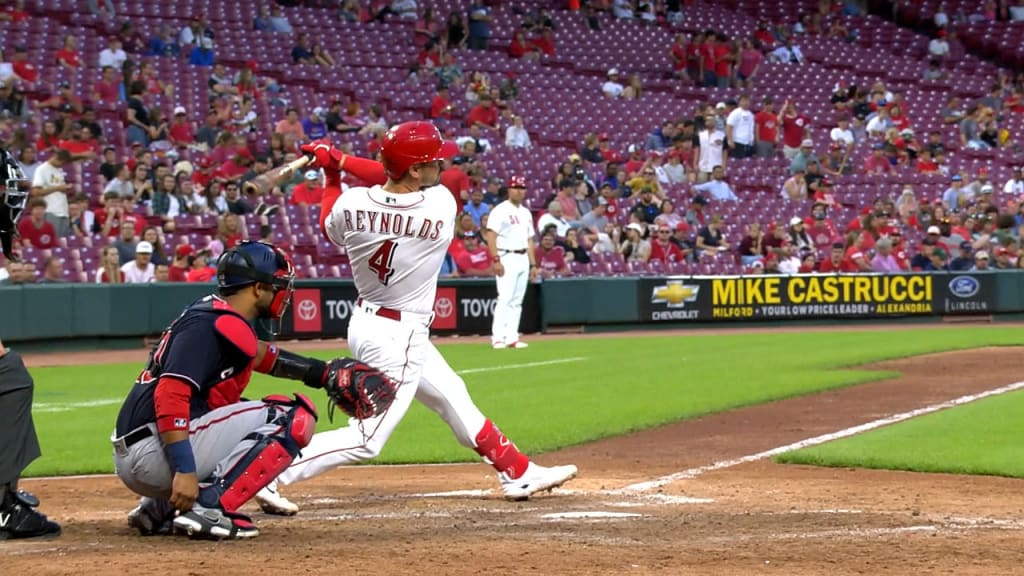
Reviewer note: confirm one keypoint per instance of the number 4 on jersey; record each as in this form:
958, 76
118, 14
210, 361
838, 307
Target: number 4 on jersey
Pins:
380, 261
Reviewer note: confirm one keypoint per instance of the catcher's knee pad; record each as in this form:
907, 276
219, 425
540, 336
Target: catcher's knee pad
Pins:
298, 422
269, 456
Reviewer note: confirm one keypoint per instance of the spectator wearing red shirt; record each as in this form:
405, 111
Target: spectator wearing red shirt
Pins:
181, 131
199, 269
837, 262
109, 271
484, 115
550, 258
522, 48
14, 12
546, 43
441, 107
473, 259
106, 92
22, 67
877, 163
857, 252
707, 58
455, 179
229, 230
821, 230
237, 165
178, 270
766, 128
663, 248
722, 55
82, 146
68, 56
49, 139
925, 163
764, 36
678, 54
35, 231
795, 127
309, 192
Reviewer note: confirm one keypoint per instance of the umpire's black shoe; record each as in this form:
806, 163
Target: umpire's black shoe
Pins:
19, 519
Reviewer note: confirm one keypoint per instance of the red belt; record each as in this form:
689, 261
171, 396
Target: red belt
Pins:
383, 312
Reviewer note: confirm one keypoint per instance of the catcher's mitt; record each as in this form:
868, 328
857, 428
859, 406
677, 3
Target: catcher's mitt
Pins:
361, 391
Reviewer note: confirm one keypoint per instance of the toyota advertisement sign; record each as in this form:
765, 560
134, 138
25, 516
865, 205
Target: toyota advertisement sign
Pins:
321, 309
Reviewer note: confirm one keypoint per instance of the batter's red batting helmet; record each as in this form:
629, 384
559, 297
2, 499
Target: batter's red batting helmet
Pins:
413, 143
517, 182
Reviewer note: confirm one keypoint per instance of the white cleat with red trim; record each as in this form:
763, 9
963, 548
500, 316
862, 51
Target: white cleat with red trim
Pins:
535, 479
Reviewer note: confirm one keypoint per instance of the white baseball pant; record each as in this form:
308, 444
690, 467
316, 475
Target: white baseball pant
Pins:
511, 290
403, 350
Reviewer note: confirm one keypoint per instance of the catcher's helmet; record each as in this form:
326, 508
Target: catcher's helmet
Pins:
13, 196
251, 262
412, 143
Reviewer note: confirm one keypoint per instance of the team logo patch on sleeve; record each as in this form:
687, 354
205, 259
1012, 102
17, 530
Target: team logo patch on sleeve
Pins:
180, 423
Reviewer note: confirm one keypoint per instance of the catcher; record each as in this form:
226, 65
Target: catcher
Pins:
185, 439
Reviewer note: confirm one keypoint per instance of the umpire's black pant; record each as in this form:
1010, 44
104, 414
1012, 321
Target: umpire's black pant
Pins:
18, 443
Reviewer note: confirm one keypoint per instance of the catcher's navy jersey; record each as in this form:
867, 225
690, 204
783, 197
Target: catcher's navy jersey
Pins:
195, 349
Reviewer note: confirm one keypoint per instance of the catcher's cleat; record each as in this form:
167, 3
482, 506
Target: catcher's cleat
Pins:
19, 519
152, 517
535, 479
214, 524
272, 502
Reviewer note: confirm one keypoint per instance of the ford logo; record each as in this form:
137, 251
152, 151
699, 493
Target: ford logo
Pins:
964, 286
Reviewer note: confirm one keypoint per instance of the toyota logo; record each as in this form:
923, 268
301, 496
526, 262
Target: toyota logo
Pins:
307, 310
443, 307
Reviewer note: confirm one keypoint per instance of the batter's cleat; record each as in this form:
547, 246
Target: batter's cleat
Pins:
272, 502
213, 524
498, 345
19, 519
537, 478
518, 344
152, 517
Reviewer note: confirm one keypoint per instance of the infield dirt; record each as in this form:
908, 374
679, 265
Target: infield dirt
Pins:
748, 519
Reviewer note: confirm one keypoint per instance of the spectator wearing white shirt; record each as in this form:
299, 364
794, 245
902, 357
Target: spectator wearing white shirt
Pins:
623, 9
553, 217
113, 55
49, 182
879, 124
516, 135
938, 47
1017, 12
711, 149
121, 184
739, 130
1015, 185
6, 70
718, 189
788, 53
673, 171
189, 34
941, 19
141, 270
279, 22
842, 134
612, 88
789, 261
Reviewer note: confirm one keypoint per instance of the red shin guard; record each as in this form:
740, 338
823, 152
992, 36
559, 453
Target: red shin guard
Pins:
500, 452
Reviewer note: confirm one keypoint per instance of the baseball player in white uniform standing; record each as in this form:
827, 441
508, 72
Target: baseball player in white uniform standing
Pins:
509, 237
396, 236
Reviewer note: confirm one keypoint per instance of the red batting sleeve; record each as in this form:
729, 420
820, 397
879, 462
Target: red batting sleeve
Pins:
369, 171
171, 402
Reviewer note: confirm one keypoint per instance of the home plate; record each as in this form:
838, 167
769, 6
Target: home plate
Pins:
584, 515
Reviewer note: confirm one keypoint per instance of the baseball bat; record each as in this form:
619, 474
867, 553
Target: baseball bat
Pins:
264, 183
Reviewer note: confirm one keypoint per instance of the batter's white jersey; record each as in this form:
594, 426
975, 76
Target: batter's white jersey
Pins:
513, 225
396, 243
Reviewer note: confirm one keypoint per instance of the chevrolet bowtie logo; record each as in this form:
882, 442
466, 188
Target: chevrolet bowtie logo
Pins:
675, 294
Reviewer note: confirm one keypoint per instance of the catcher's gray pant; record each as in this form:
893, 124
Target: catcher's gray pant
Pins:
219, 440
18, 443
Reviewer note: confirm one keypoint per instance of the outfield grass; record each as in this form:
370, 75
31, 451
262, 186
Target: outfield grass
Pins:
978, 438
619, 385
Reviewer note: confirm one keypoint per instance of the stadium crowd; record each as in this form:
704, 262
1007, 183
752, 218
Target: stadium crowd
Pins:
650, 206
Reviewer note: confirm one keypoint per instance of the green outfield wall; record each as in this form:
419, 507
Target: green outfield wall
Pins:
321, 308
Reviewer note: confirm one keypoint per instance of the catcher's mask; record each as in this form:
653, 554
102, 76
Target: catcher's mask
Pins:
251, 262
13, 197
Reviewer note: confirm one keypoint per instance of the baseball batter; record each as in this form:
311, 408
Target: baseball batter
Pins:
19, 445
185, 440
396, 236
510, 242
